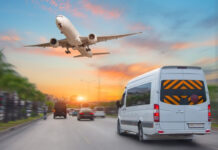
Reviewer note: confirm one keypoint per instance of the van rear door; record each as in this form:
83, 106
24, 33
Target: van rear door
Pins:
172, 113
182, 98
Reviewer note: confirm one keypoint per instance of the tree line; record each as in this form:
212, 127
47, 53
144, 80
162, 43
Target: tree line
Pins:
12, 81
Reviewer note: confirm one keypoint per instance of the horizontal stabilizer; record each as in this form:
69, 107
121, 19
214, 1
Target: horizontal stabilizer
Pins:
104, 53
101, 53
79, 56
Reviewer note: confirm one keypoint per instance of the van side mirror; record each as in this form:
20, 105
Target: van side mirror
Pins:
118, 104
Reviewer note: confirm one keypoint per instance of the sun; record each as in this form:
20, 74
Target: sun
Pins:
80, 98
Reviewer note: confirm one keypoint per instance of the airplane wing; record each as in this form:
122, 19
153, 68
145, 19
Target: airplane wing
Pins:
103, 53
62, 43
85, 40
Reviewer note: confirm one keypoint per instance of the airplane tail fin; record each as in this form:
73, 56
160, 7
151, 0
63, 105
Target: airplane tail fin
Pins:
104, 53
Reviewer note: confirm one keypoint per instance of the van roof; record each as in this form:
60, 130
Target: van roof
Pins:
180, 67
161, 68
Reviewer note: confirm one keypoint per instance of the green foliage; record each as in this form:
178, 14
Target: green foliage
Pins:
213, 92
11, 81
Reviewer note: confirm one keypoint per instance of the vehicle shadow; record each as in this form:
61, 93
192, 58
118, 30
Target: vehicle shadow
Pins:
85, 120
168, 143
56, 118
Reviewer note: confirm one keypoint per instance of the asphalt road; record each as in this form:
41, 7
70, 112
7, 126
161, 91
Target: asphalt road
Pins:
70, 134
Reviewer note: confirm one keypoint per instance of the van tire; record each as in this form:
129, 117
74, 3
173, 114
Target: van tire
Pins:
140, 132
119, 130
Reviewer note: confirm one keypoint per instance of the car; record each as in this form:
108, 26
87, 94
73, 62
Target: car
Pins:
99, 112
60, 109
75, 112
171, 102
85, 113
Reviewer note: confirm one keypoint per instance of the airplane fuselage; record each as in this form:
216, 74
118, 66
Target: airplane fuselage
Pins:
75, 41
72, 35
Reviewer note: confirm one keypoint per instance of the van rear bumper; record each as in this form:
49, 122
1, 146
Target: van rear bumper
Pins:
183, 132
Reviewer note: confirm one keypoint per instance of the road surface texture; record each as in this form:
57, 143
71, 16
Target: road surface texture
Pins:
70, 134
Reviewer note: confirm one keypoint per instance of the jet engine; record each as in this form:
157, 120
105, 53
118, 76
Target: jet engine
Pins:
92, 38
54, 42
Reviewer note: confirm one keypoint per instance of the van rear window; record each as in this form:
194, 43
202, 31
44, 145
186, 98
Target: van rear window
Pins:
183, 92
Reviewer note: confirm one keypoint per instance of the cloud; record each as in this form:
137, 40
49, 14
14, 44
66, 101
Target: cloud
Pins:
206, 61
78, 9
53, 5
189, 45
139, 27
9, 37
125, 71
57, 52
209, 22
42, 39
146, 42
153, 41
100, 10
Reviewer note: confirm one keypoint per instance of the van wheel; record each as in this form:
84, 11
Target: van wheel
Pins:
140, 132
119, 130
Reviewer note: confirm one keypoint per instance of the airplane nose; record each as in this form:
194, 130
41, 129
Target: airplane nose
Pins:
58, 22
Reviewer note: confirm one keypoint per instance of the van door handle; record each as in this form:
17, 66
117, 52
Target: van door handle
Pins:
124, 108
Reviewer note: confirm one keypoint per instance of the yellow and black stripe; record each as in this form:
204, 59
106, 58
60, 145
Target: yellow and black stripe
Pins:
178, 92
182, 84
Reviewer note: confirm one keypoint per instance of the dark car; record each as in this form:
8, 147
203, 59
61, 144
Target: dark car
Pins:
60, 109
85, 113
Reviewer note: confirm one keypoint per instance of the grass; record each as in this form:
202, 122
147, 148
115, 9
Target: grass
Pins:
214, 125
5, 126
213, 91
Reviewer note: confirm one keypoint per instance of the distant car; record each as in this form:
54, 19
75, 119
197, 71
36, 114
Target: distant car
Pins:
85, 113
75, 112
99, 112
70, 111
60, 109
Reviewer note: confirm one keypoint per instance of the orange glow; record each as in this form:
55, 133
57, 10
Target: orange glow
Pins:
80, 99
188, 45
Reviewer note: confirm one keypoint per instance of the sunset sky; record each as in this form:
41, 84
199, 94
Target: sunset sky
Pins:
175, 32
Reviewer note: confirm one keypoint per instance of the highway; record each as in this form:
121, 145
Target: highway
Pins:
70, 134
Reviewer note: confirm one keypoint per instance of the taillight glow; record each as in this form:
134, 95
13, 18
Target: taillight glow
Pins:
91, 113
207, 131
81, 113
156, 113
209, 113
160, 132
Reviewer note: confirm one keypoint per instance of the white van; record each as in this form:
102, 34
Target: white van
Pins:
99, 112
169, 102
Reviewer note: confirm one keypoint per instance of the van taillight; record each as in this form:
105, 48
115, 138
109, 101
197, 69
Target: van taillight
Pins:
209, 113
156, 113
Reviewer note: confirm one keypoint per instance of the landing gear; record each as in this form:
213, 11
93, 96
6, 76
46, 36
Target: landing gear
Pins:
67, 51
88, 49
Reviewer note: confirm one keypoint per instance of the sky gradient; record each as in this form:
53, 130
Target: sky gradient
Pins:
175, 32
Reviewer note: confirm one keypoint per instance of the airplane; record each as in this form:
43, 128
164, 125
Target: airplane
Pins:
75, 41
